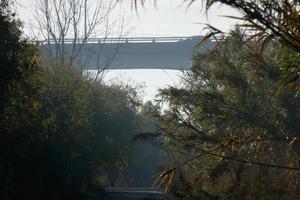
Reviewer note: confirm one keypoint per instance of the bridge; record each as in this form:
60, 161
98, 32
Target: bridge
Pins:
132, 53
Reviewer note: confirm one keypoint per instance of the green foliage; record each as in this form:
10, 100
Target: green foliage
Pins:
59, 130
268, 20
238, 138
15, 55
63, 131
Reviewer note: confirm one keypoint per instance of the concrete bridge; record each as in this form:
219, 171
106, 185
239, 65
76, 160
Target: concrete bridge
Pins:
133, 53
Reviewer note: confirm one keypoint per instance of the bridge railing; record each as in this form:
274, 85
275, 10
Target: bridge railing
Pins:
119, 40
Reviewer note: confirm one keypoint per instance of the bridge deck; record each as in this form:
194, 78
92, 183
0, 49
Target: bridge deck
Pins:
134, 53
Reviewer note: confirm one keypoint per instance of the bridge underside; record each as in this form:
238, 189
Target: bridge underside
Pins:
138, 55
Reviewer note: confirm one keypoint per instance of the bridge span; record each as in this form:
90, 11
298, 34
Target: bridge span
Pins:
132, 53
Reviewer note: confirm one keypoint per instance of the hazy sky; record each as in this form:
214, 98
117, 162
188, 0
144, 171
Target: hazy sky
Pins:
170, 18
173, 18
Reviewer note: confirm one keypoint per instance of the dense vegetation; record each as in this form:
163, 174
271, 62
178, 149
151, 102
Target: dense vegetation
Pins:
59, 129
233, 126
235, 137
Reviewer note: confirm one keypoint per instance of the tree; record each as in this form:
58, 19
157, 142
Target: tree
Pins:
59, 128
60, 131
16, 55
67, 26
267, 20
234, 136
17, 62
